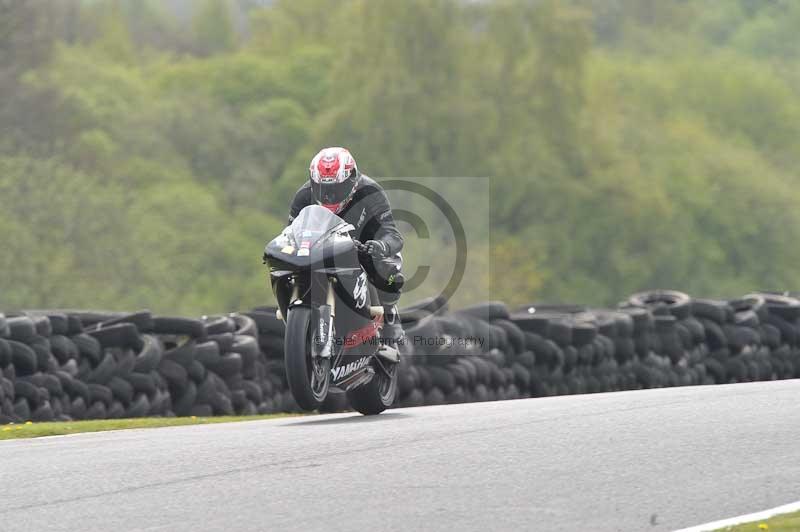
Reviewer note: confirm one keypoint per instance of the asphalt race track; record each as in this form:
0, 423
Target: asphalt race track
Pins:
643, 460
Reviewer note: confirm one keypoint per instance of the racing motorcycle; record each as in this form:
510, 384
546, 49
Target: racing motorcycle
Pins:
332, 314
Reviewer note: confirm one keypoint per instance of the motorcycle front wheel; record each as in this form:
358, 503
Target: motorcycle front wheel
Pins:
308, 376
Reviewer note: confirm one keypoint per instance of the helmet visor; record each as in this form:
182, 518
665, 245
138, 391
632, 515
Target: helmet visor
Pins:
332, 193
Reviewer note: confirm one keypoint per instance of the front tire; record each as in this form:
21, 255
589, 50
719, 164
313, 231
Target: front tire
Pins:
379, 393
308, 377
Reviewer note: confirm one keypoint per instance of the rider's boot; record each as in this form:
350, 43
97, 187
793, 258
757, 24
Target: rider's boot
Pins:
392, 335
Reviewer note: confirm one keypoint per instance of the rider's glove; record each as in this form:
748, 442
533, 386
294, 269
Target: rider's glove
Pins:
376, 249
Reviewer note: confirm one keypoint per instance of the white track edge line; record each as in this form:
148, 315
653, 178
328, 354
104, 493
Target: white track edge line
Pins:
747, 518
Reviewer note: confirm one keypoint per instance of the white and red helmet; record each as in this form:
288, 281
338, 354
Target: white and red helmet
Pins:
334, 176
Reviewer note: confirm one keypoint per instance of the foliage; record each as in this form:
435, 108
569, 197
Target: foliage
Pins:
147, 153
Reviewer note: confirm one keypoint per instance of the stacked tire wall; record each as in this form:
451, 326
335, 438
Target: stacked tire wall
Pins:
65, 365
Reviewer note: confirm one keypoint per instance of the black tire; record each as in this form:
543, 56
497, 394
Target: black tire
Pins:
788, 332
88, 347
443, 379
5, 353
76, 408
208, 353
771, 335
183, 406
100, 393
537, 323
297, 357
121, 390
44, 412
712, 309
715, 336
179, 326
89, 318
21, 329
247, 346
424, 378
267, 323
245, 325
58, 322
784, 307
429, 305
206, 391
97, 410
746, 318
104, 371
753, 302
570, 358
642, 319
459, 372
435, 397
116, 411
77, 388
522, 377
197, 371
139, 407
583, 333
150, 356
255, 393
143, 320
676, 303
415, 398
74, 325
378, 394
174, 373
218, 325
225, 342
527, 359
53, 384
229, 365
424, 334
125, 364
124, 335
183, 355
41, 346
516, 338
488, 311
23, 358
62, 348
560, 331
606, 323
28, 390
239, 400
143, 383
696, 329
272, 346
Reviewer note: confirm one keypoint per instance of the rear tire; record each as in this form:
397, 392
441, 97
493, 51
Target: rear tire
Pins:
309, 391
378, 394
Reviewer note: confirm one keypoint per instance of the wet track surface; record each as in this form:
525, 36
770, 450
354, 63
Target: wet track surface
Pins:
645, 460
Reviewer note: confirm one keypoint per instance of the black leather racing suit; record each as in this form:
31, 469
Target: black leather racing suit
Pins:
371, 215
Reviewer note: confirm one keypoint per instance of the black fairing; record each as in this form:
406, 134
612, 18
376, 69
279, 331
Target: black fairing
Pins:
331, 253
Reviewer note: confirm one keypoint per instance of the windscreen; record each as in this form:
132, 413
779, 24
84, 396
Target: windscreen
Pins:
313, 223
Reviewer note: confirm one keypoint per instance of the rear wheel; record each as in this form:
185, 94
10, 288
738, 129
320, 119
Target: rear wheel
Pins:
379, 393
308, 376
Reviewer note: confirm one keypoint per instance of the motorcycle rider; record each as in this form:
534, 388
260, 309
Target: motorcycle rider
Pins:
336, 183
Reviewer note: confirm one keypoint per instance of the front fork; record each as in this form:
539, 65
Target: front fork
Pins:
327, 312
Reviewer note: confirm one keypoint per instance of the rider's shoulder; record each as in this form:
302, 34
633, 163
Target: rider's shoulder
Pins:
369, 185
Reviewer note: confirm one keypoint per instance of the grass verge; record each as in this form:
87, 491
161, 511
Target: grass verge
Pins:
35, 430
780, 523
